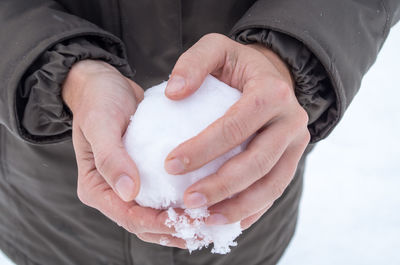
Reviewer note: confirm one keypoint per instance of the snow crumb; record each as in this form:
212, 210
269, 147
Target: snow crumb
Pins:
197, 234
157, 127
197, 213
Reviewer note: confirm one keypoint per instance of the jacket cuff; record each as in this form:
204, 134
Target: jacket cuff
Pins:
313, 87
42, 114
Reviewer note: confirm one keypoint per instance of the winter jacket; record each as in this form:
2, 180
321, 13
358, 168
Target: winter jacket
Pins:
328, 46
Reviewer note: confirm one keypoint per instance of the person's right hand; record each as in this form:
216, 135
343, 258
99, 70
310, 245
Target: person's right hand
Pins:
102, 101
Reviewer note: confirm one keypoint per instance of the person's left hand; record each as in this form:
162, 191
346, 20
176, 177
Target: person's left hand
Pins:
268, 108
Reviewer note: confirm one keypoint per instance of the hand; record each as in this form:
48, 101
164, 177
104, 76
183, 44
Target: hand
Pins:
268, 108
102, 101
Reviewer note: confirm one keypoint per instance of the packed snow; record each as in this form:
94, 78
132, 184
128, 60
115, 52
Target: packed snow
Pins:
157, 127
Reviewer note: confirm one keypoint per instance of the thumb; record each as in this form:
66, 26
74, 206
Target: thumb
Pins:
204, 57
112, 160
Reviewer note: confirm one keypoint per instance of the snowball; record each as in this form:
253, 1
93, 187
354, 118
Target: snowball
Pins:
157, 127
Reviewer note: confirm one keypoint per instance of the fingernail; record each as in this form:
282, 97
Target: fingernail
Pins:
174, 166
175, 84
195, 200
125, 187
216, 219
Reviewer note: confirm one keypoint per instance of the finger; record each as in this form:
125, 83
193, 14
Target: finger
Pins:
243, 119
249, 221
263, 192
95, 192
242, 170
111, 158
163, 239
205, 56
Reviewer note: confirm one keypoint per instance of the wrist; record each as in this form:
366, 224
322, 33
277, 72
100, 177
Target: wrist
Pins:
80, 73
277, 61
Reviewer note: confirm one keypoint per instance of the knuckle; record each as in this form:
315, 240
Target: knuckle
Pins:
224, 189
307, 136
300, 122
283, 91
252, 84
189, 57
262, 161
303, 116
102, 159
298, 119
83, 194
192, 57
213, 37
259, 103
233, 131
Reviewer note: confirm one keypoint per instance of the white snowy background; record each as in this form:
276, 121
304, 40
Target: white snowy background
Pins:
350, 210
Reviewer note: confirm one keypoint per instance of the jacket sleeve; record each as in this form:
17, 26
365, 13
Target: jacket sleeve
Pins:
328, 45
39, 43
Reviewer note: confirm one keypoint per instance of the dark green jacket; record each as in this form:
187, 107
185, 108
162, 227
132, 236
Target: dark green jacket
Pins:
328, 45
